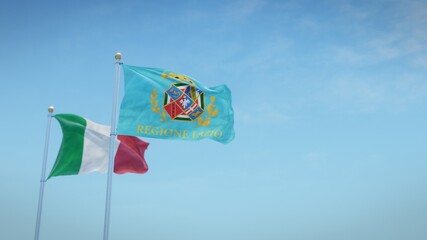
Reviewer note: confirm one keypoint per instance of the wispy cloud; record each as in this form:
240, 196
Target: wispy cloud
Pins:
355, 12
395, 38
268, 55
244, 8
421, 61
374, 93
380, 36
362, 95
263, 113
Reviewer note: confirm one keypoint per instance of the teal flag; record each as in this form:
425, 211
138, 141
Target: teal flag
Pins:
163, 104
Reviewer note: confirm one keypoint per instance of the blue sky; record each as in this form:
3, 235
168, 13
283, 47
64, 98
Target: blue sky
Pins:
330, 118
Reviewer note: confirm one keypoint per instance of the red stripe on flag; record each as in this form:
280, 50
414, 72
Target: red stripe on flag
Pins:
130, 155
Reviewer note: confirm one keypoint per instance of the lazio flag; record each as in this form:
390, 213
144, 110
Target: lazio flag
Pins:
162, 104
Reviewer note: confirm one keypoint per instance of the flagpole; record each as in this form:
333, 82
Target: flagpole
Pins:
43, 174
113, 134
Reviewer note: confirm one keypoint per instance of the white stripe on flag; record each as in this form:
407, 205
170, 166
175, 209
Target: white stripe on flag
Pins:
95, 150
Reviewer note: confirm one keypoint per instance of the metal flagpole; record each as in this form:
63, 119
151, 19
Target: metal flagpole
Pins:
43, 175
113, 134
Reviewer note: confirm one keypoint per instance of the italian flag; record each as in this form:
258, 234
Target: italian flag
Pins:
85, 149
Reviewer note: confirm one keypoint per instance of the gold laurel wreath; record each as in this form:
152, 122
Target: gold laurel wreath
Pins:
154, 105
211, 111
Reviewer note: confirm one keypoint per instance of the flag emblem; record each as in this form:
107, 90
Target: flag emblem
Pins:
184, 102
162, 104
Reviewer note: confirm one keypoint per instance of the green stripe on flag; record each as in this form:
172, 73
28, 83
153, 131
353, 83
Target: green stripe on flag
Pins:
70, 153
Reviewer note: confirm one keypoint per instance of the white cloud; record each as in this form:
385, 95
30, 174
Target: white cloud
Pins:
272, 53
397, 40
393, 32
349, 55
244, 8
355, 12
374, 93
261, 114
421, 61
364, 95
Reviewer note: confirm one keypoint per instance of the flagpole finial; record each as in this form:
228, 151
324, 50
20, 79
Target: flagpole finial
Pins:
51, 109
118, 56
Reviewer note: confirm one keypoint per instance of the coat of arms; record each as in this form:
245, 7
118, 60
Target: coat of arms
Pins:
183, 102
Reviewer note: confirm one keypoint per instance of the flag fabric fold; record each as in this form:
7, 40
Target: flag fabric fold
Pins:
162, 104
85, 149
